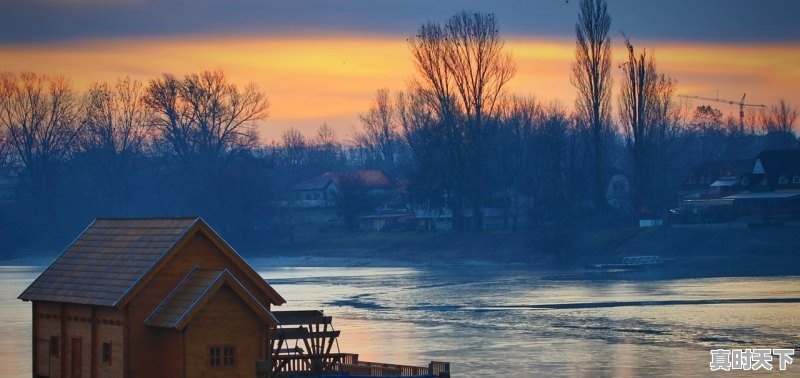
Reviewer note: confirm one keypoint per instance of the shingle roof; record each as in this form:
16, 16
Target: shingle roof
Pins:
107, 260
193, 292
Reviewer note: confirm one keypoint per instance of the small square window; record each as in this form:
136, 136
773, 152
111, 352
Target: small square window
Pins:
214, 356
228, 356
55, 346
107, 353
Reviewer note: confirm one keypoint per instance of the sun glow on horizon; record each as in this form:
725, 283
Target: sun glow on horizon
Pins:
311, 80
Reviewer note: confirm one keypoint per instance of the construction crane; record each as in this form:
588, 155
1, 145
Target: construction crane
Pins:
730, 102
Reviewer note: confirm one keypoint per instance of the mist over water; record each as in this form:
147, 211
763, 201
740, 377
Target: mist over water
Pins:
495, 322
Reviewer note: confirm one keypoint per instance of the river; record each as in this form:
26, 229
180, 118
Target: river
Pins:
492, 322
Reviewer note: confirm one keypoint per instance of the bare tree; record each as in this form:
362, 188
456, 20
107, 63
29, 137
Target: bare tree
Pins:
117, 120
116, 125
380, 135
204, 115
478, 64
326, 154
326, 136
647, 113
174, 121
591, 76
39, 115
783, 117
294, 147
514, 155
462, 71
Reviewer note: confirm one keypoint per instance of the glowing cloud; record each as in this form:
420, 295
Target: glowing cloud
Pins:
311, 80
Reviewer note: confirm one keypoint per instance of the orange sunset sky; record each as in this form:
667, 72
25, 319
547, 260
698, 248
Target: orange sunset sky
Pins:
315, 72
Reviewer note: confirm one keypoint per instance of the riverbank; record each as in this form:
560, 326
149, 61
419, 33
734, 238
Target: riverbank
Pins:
697, 250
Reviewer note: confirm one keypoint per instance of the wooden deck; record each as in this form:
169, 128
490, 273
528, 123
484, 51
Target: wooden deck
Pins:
316, 357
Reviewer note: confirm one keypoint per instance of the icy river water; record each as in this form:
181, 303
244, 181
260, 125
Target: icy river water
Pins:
490, 322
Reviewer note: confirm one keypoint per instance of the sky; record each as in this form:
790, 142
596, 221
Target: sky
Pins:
321, 61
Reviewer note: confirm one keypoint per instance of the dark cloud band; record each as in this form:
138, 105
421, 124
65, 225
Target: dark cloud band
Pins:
24, 21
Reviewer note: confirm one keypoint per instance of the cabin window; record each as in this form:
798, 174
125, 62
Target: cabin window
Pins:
55, 346
222, 356
796, 179
783, 180
107, 353
228, 356
214, 356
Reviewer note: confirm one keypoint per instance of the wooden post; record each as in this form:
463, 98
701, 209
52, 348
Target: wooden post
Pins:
33, 338
93, 343
126, 343
63, 339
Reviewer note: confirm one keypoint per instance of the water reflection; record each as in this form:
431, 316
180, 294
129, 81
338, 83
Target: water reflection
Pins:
15, 321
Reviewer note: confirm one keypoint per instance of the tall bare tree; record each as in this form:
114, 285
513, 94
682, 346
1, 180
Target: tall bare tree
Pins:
648, 115
591, 76
462, 72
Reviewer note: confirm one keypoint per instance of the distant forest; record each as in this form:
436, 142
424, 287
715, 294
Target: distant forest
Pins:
187, 145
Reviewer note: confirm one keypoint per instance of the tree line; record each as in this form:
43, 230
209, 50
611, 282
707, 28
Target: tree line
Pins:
177, 146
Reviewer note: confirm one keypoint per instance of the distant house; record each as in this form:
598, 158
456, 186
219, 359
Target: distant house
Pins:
706, 187
771, 189
342, 196
715, 179
323, 190
317, 191
149, 298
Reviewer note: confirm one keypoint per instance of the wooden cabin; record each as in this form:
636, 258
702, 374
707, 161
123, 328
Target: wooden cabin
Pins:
150, 298
169, 298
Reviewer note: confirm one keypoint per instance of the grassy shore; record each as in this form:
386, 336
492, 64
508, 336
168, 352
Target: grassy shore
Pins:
698, 250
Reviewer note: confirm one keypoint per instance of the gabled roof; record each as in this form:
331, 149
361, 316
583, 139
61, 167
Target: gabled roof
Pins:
315, 183
774, 170
777, 162
113, 258
193, 292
